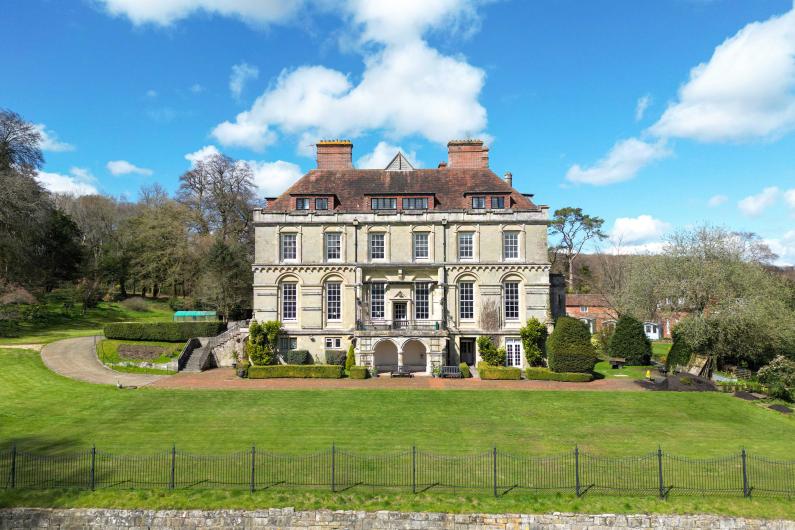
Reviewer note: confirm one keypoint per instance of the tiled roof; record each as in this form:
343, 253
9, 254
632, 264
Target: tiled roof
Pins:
353, 187
589, 300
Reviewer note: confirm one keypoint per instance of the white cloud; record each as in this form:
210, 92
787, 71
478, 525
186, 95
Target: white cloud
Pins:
241, 74
407, 88
621, 163
717, 200
165, 12
272, 178
123, 167
50, 141
754, 205
641, 106
201, 154
745, 91
784, 247
640, 229
80, 182
151, 93
382, 154
789, 197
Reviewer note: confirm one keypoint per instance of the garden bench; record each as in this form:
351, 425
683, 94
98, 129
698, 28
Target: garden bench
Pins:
616, 362
402, 371
450, 371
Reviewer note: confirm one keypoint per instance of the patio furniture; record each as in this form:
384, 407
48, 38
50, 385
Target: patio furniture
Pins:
402, 371
450, 371
617, 362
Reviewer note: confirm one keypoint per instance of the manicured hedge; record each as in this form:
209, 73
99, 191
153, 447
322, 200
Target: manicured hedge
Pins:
163, 331
465, 373
543, 374
358, 372
679, 354
297, 357
314, 371
629, 342
336, 357
498, 372
569, 348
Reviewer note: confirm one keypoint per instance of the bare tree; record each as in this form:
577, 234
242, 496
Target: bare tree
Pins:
575, 229
20, 143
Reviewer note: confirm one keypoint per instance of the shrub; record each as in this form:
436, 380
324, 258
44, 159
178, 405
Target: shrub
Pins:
163, 331
242, 368
465, 373
601, 340
534, 338
350, 360
489, 353
680, 352
297, 357
262, 341
314, 371
136, 303
543, 374
358, 372
487, 371
569, 347
336, 357
779, 375
630, 342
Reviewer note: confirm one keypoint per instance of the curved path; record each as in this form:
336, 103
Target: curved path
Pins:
77, 359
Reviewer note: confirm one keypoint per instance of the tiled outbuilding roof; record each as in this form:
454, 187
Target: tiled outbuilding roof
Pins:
451, 187
588, 300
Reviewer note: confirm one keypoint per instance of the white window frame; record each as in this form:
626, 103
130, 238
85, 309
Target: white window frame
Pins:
421, 251
333, 343
422, 301
469, 314
370, 247
333, 301
511, 303
510, 251
283, 247
288, 296
378, 302
461, 247
329, 247
514, 353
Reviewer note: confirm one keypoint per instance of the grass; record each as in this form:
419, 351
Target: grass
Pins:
108, 350
362, 499
636, 373
46, 412
59, 323
660, 349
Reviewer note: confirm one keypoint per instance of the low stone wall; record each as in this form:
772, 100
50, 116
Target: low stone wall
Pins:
288, 519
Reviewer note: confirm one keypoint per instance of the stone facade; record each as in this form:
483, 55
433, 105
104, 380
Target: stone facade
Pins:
289, 519
402, 306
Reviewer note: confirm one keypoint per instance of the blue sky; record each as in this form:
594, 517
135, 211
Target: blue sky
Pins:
652, 115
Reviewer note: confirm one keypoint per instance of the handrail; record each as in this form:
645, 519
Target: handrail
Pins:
388, 325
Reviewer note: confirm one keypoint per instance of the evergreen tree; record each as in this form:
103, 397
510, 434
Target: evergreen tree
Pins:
630, 342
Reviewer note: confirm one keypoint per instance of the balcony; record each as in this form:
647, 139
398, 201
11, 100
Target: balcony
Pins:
400, 325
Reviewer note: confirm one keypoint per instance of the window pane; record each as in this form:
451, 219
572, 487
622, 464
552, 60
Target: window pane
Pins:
510, 245
415, 203
289, 301
383, 203
288, 246
302, 204
333, 250
478, 202
376, 246
466, 300
333, 301
511, 290
513, 349
321, 204
421, 300
498, 203
465, 245
420, 245
377, 291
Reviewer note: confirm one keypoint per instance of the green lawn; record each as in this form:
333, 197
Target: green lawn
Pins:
660, 349
627, 372
60, 324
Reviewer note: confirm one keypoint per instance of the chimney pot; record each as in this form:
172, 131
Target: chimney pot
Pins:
509, 178
334, 154
470, 154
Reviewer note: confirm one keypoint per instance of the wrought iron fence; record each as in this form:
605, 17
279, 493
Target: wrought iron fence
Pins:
654, 474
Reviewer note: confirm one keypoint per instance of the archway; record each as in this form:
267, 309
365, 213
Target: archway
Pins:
385, 356
414, 356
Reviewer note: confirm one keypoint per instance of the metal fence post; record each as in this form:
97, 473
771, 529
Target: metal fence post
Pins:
577, 470
494, 462
93, 465
333, 467
746, 489
14, 465
253, 456
413, 469
173, 466
660, 472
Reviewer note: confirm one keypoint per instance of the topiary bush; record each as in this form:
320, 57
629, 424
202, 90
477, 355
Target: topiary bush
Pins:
263, 341
630, 342
350, 359
358, 372
544, 374
487, 371
163, 331
297, 357
534, 339
337, 357
569, 347
464, 368
680, 352
489, 353
310, 371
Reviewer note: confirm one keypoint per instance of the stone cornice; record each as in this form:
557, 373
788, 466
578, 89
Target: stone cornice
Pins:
285, 267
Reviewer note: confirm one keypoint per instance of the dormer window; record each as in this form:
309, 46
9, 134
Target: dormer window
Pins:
302, 204
415, 203
383, 203
497, 203
321, 203
478, 203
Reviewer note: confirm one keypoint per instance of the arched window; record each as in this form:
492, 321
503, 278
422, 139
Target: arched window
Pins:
333, 290
288, 297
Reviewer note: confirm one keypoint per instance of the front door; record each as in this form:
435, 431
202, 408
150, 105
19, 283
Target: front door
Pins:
467, 352
399, 314
513, 349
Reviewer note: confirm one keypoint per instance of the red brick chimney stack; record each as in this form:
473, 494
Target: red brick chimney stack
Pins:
334, 154
467, 154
